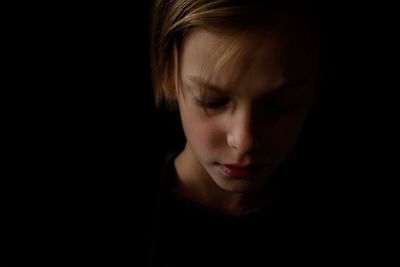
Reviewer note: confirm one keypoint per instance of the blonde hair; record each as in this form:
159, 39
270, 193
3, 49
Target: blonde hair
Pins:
173, 19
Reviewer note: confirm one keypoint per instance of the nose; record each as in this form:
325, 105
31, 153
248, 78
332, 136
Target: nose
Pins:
241, 135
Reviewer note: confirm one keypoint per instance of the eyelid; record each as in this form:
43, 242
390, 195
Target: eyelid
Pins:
212, 104
282, 108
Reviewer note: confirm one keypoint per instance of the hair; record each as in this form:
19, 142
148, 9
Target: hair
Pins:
172, 20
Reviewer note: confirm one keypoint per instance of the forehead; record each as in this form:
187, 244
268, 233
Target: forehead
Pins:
272, 57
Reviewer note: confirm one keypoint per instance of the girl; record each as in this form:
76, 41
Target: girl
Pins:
242, 75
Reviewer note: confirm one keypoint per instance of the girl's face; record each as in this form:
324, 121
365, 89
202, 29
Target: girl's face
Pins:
242, 120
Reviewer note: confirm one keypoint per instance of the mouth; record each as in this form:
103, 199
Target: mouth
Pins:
240, 171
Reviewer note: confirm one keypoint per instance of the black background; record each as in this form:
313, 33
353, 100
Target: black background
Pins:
89, 133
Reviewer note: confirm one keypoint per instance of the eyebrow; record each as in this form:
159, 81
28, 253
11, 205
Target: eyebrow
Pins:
204, 84
282, 89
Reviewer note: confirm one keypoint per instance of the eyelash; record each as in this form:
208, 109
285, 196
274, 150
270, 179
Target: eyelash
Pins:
281, 109
212, 104
273, 108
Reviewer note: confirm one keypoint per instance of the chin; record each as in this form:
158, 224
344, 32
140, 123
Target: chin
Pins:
237, 186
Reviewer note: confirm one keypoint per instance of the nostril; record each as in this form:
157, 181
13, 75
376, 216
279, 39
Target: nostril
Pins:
242, 130
242, 142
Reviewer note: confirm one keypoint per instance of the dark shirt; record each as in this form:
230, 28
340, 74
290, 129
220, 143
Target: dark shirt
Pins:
188, 234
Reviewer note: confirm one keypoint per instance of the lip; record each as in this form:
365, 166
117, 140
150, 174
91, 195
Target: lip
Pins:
240, 171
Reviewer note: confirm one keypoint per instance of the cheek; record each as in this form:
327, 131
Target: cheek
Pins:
286, 133
202, 132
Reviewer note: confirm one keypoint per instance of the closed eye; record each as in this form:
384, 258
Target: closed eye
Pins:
214, 104
281, 108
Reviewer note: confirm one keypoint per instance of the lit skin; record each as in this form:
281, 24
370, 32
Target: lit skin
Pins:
243, 119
